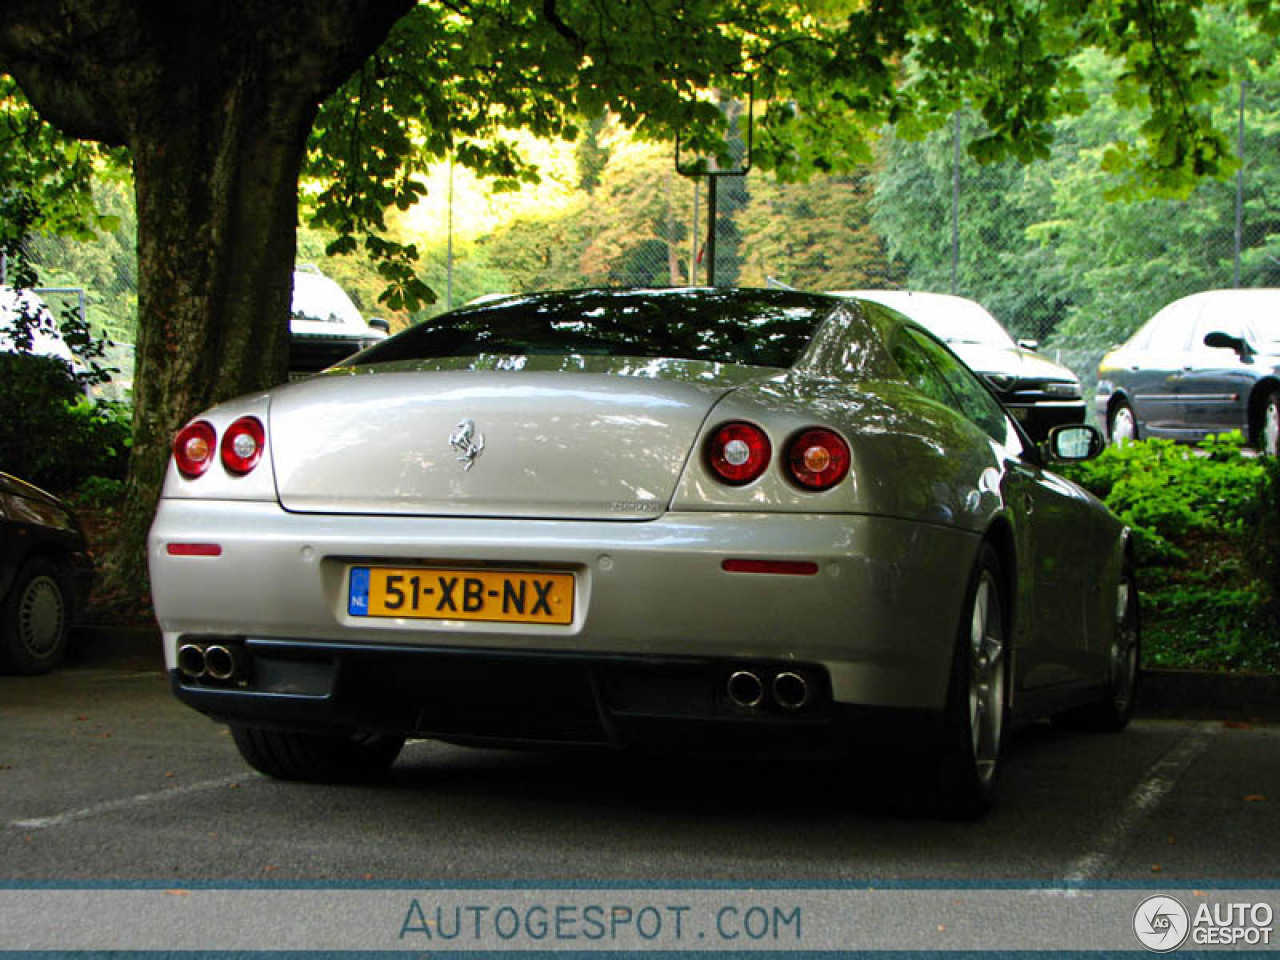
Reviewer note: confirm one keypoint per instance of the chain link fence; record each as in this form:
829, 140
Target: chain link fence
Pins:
1046, 247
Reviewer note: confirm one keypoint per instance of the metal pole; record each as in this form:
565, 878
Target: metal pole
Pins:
1239, 189
711, 231
448, 296
694, 233
955, 200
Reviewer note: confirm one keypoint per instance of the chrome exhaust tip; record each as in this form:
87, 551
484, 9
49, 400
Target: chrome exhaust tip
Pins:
224, 663
790, 690
191, 661
745, 689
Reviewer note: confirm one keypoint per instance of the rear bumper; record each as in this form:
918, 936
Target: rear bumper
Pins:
514, 698
878, 619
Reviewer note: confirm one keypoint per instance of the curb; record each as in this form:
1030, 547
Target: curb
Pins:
1201, 694
96, 645
1194, 694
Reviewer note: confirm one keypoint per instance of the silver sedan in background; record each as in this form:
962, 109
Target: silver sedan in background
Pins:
1208, 363
760, 521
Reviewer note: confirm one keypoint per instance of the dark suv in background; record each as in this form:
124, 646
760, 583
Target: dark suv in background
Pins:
1039, 393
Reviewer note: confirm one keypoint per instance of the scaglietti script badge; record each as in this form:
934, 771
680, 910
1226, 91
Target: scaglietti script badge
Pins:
468, 442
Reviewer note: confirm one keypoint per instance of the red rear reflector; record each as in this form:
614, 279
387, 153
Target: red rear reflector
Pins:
194, 549
797, 568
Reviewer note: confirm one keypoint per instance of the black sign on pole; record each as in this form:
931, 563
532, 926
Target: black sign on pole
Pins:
709, 168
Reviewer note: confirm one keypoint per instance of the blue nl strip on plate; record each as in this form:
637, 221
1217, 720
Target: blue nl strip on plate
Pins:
358, 598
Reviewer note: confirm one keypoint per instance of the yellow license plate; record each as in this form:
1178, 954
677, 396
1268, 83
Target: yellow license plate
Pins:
428, 593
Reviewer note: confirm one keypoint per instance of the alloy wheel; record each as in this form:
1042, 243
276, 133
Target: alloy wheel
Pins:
986, 677
1124, 648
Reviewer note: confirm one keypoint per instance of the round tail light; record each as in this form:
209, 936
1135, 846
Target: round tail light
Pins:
818, 459
738, 453
193, 448
242, 445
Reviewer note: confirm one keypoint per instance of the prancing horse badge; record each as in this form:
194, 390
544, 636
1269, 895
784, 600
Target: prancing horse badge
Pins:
468, 442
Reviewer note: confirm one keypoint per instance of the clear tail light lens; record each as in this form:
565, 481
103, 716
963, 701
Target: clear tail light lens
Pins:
193, 448
242, 445
818, 459
738, 453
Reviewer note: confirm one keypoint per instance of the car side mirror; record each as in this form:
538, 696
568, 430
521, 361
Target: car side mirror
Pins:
1073, 442
377, 323
1225, 341
1029, 344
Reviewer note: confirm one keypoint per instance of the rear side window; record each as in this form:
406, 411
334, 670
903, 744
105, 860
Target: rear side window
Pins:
936, 373
758, 328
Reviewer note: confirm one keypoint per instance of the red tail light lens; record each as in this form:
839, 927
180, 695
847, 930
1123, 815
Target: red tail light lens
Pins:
818, 459
242, 445
738, 453
193, 448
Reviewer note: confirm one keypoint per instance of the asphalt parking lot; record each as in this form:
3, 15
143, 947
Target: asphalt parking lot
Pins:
103, 775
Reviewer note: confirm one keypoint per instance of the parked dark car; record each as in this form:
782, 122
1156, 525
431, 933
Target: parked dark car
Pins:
45, 576
1039, 393
1205, 364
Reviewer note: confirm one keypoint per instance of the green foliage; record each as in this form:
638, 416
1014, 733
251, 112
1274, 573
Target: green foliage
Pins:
50, 434
813, 236
826, 78
104, 265
1207, 529
45, 177
1262, 545
1069, 250
99, 493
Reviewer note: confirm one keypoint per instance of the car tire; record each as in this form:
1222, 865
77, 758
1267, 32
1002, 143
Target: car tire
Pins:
316, 757
971, 742
1122, 424
1267, 441
1113, 710
35, 619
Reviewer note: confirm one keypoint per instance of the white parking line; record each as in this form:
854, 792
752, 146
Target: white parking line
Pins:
126, 803
1144, 798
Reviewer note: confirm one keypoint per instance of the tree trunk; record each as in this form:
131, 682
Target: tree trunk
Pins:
215, 101
217, 211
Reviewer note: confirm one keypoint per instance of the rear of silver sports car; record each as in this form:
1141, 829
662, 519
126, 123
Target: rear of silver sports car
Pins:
567, 558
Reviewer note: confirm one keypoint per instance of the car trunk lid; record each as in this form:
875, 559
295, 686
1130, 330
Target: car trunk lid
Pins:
441, 442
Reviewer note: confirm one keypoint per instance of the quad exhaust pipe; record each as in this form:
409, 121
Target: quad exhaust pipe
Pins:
790, 690
746, 689
214, 661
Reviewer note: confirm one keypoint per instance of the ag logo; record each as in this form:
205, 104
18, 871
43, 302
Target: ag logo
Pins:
1161, 924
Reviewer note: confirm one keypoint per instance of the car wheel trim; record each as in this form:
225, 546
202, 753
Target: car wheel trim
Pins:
1124, 649
1271, 428
41, 616
986, 678
1123, 426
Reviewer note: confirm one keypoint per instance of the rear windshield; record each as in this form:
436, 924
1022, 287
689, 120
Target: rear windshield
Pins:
758, 327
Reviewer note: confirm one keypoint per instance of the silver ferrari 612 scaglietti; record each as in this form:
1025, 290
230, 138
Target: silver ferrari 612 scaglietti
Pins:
746, 520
